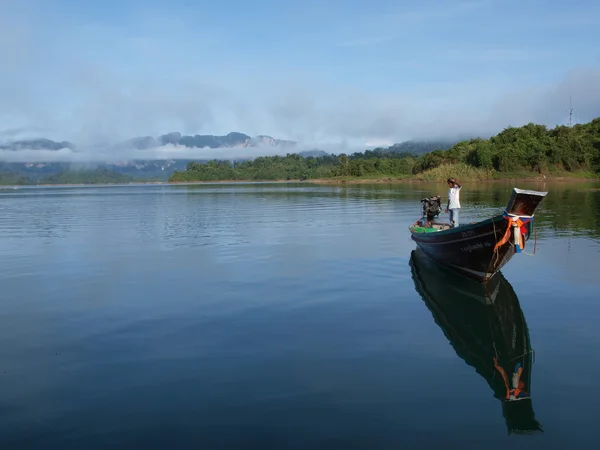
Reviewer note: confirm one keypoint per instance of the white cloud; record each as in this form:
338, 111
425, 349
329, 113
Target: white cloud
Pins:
166, 152
101, 84
321, 117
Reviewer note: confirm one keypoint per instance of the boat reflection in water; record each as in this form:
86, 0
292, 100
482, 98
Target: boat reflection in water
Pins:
486, 327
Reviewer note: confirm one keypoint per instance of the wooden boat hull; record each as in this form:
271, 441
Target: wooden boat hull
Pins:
470, 249
486, 327
479, 250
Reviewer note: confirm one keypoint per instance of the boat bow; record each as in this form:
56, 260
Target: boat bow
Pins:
479, 250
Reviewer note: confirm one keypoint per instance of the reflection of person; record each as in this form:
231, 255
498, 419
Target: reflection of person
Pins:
453, 200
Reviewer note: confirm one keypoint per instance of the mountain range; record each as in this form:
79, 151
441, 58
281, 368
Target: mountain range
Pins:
231, 140
162, 169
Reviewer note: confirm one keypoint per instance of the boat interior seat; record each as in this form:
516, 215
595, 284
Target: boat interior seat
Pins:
440, 226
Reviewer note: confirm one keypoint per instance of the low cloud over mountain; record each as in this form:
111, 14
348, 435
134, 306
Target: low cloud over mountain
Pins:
231, 140
168, 146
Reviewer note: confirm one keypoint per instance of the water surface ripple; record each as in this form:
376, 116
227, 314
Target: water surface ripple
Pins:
280, 316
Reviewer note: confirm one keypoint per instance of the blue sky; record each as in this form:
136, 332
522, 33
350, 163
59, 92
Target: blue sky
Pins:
354, 72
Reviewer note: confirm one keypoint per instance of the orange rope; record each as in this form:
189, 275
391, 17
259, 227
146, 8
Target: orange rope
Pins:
503, 373
512, 222
519, 388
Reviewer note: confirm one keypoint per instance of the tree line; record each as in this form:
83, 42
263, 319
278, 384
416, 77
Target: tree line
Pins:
526, 150
80, 176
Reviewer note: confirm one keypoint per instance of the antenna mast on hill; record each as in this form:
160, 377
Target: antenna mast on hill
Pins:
570, 113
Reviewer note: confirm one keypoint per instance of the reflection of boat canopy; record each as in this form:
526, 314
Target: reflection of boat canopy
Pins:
487, 329
478, 250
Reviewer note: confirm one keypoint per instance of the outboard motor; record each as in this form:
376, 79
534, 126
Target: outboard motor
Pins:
431, 208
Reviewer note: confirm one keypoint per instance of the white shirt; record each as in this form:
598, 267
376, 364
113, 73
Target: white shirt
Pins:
453, 197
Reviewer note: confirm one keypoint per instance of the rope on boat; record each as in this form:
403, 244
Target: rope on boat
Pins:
532, 351
522, 251
497, 255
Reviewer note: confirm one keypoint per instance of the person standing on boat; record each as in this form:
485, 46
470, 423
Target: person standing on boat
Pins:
453, 205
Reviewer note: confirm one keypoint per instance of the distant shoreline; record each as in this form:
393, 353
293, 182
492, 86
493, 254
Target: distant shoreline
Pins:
6, 186
389, 180
326, 181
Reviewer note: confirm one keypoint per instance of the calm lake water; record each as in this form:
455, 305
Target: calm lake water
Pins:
234, 316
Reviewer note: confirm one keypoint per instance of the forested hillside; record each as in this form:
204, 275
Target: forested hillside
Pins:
523, 151
92, 176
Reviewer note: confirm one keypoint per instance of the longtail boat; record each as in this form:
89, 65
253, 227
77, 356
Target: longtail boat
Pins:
477, 250
486, 327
